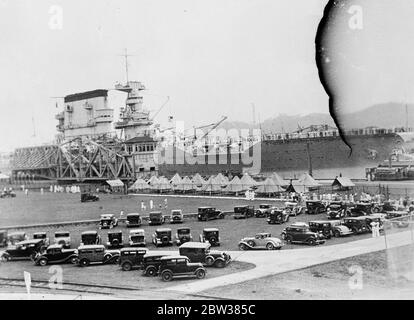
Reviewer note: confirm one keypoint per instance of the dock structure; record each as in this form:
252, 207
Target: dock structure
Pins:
77, 160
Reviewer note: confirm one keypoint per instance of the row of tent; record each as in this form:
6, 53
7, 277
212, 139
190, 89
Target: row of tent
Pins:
221, 183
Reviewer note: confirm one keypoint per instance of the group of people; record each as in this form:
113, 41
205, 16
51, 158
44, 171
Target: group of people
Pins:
151, 205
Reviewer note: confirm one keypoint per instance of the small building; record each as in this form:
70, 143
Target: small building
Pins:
342, 184
117, 186
142, 156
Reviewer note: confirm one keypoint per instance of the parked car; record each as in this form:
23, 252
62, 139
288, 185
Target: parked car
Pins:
96, 254
63, 238
209, 213
200, 252
179, 266
7, 194
176, 216
315, 207
277, 216
337, 210
210, 235
133, 220
151, 264
293, 209
137, 238
340, 229
115, 240
90, 238
183, 235
3, 238
26, 249
300, 233
357, 224
156, 218
108, 221
243, 212
16, 237
131, 258
261, 241
42, 236
55, 254
263, 211
89, 197
326, 228
162, 237
361, 209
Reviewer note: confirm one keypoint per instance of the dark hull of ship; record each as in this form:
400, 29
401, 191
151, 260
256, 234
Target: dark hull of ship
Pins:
327, 157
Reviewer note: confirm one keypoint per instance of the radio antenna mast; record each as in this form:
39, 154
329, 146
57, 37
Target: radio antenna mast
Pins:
126, 55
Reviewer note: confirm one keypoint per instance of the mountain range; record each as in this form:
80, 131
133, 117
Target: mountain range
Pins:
386, 115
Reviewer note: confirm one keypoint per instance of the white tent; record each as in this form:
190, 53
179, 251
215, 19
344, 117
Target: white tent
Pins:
235, 185
198, 181
175, 181
305, 183
247, 181
185, 185
163, 184
278, 180
152, 181
224, 181
140, 184
211, 185
268, 186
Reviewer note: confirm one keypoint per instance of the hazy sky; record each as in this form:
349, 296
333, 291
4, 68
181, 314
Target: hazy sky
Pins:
212, 58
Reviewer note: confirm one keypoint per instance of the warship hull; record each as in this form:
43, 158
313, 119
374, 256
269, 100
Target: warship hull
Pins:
326, 157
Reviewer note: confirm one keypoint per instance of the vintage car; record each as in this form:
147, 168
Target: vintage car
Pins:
90, 238
243, 212
151, 263
63, 238
361, 209
55, 254
96, 254
27, 249
156, 218
210, 235
326, 228
179, 266
131, 258
300, 233
108, 221
209, 213
3, 238
183, 235
176, 216
137, 238
337, 210
261, 241
88, 197
200, 252
16, 237
293, 209
133, 220
315, 207
162, 237
7, 194
357, 224
42, 236
263, 211
115, 240
277, 216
